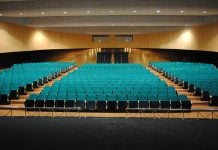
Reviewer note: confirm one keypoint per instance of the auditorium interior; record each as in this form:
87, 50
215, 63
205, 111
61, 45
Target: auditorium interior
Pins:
115, 74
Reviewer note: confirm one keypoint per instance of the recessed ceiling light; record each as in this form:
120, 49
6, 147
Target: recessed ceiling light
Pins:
0, 14
21, 13
158, 11
42, 12
111, 11
65, 12
134, 11
181, 11
88, 11
112, 25
204, 11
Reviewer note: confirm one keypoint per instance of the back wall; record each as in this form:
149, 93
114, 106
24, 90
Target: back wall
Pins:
14, 38
82, 56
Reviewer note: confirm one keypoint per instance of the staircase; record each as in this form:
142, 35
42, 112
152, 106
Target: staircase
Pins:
20, 102
195, 100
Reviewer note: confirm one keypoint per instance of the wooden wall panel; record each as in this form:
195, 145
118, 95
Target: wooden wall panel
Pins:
20, 38
184, 39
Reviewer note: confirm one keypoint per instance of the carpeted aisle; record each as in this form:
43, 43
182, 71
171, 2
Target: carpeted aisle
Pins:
107, 133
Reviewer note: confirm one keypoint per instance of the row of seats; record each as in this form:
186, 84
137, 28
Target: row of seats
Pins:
129, 85
21, 78
111, 102
59, 87
199, 78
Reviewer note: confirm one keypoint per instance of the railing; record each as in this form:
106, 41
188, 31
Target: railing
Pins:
173, 113
13, 111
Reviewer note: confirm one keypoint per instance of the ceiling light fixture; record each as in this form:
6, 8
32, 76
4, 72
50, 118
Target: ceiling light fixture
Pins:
65, 12
111, 11
158, 11
42, 12
88, 11
134, 11
20, 13
181, 11
112, 25
0, 14
204, 11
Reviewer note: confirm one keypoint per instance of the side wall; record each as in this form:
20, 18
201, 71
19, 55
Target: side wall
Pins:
20, 38
15, 38
203, 37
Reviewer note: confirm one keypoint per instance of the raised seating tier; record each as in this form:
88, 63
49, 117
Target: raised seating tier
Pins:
199, 78
109, 87
21, 78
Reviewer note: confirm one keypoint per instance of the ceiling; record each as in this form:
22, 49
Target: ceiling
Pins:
109, 16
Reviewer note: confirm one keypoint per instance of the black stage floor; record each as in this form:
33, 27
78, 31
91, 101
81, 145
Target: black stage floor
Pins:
107, 133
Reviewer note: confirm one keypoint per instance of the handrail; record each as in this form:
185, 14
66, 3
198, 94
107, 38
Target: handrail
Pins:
127, 109
195, 113
41, 108
171, 110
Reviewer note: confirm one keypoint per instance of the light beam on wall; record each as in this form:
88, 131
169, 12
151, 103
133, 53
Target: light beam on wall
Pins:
186, 36
186, 40
40, 40
39, 37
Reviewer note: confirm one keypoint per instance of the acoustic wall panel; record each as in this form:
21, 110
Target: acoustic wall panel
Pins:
15, 38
